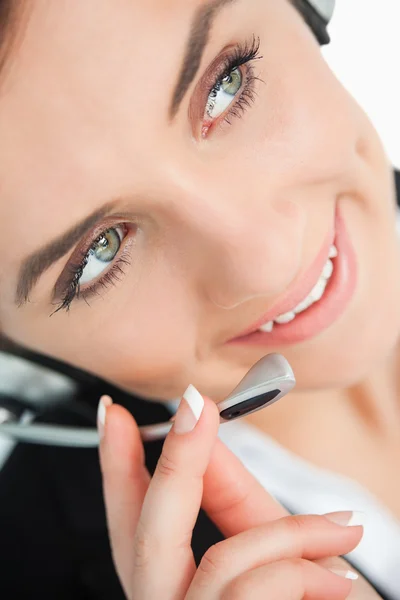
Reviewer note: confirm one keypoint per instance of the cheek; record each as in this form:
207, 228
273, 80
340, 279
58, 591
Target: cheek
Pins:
303, 129
151, 354
155, 352
368, 332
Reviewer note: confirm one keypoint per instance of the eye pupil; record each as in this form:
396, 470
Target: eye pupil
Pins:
107, 246
223, 93
232, 82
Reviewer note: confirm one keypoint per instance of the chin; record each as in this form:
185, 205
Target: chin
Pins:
367, 333
353, 351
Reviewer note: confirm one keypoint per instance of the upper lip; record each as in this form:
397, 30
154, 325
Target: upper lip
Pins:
299, 291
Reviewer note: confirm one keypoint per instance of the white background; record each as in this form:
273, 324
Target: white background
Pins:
365, 55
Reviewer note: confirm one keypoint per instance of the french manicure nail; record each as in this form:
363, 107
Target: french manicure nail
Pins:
346, 573
105, 402
347, 518
189, 411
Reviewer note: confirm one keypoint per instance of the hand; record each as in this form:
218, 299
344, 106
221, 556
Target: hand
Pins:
266, 554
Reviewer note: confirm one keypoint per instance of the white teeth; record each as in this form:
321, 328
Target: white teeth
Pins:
286, 318
328, 269
267, 327
315, 295
318, 290
332, 252
304, 305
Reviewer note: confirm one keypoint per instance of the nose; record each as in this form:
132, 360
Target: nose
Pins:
250, 254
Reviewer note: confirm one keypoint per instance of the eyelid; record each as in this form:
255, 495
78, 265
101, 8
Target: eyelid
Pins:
82, 249
204, 86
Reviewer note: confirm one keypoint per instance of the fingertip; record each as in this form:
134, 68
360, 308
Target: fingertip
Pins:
106, 400
211, 410
121, 440
120, 422
213, 404
211, 420
104, 403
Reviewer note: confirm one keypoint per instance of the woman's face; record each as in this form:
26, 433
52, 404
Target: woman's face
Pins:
190, 202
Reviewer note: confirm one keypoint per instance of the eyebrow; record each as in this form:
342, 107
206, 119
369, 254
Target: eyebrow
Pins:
33, 267
198, 39
41, 260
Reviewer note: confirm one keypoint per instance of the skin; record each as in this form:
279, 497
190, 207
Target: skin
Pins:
227, 223
265, 554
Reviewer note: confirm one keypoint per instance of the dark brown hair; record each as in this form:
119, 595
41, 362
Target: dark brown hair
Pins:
5, 17
8, 30
10, 26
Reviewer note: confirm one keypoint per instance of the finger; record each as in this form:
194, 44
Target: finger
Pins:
232, 496
304, 536
362, 590
295, 579
125, 482
172, 503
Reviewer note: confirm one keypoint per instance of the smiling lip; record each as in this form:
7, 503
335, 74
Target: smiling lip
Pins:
321, 314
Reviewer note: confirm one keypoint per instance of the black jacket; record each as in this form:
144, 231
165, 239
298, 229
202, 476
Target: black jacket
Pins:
53, 536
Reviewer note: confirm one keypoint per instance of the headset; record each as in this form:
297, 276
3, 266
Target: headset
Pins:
268, 380
317, 14
324, 8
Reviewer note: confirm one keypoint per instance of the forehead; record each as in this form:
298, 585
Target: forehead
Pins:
97, 41
84, 56
88, 90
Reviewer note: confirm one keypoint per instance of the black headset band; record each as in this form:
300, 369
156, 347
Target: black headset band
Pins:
314, 20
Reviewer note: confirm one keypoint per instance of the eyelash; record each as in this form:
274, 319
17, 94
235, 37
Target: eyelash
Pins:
243, 54
111, 277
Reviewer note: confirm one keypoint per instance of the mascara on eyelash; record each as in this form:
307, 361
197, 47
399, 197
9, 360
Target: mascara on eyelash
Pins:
110, 278
242, 54
72, 289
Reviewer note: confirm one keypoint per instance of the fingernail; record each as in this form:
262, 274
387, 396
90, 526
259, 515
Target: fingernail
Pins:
346, 573
347, 518
189, 411
105, 402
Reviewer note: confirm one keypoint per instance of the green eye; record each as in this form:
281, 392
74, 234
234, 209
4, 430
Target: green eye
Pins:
223, 93
231, 83
107, 246
102, 254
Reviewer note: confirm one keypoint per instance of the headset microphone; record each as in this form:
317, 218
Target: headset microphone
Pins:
268, 380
